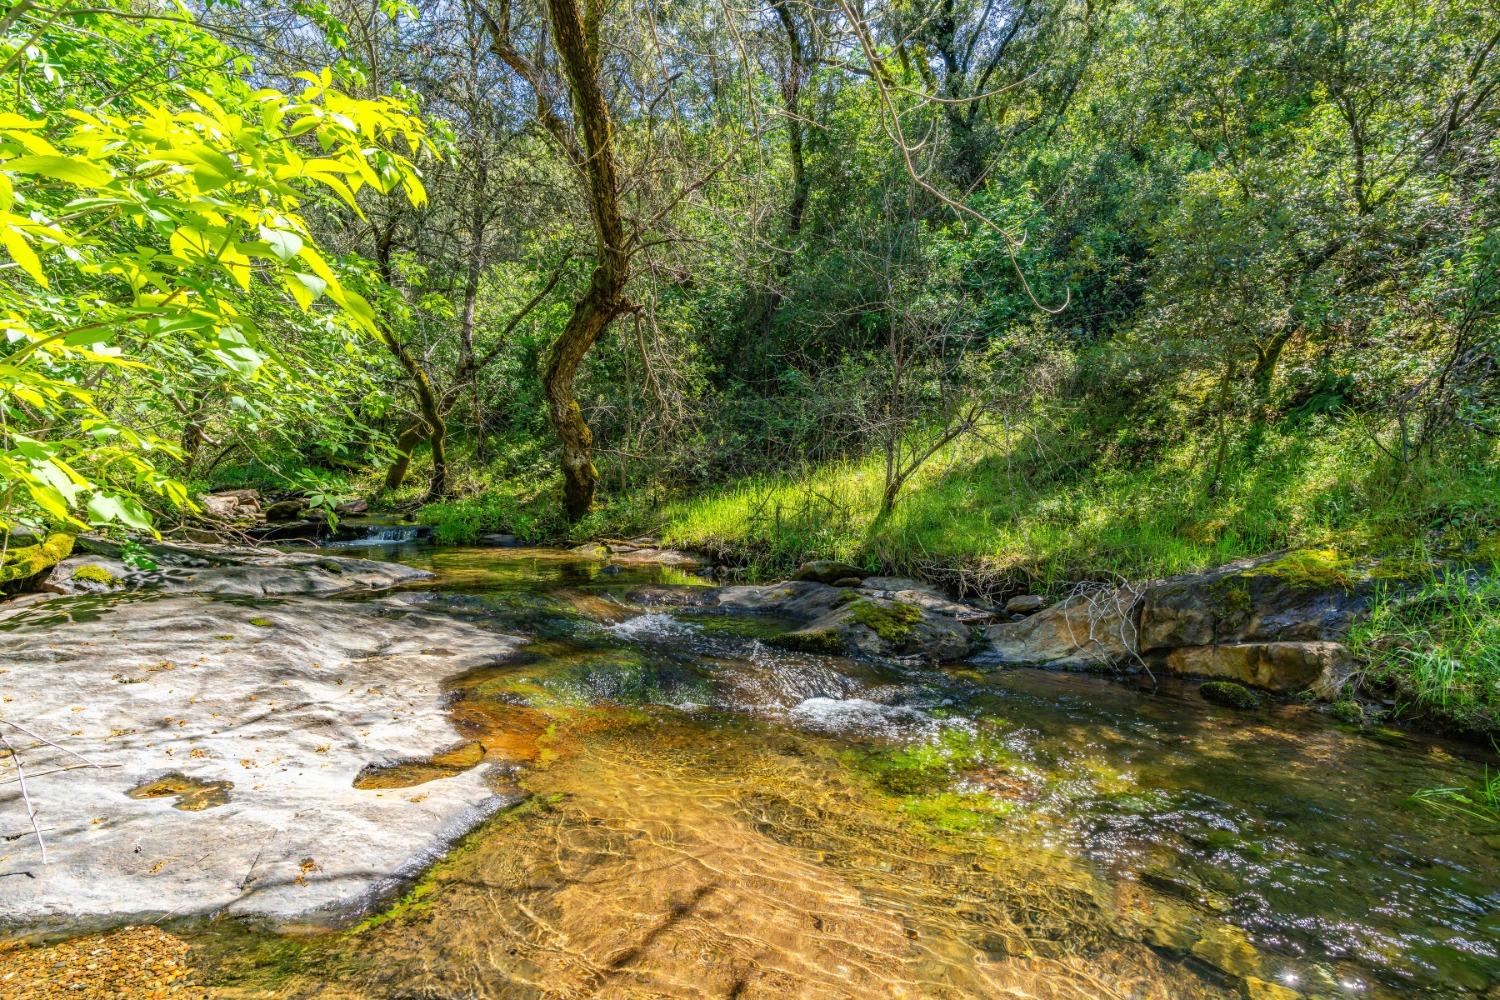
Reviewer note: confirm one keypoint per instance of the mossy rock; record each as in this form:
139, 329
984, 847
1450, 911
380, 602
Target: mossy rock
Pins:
1229, 694
24, 566
1314, 569
1349, 711
94, 573
821, 642
893, 622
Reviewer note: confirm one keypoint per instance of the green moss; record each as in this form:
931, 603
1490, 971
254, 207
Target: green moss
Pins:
893, 622
260, 622
27, 561
1350, 711
1313, 568
1234, 597
956, 812
823, 642
92, 573
930, 767
1229, 694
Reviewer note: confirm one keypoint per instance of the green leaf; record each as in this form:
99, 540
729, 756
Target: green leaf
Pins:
72, 169
285, 245
107, 507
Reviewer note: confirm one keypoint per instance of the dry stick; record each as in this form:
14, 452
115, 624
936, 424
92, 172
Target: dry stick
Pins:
15, 758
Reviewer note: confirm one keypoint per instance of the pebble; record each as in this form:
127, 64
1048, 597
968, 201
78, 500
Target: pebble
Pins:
132, 963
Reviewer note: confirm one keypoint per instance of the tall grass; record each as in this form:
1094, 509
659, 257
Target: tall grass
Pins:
1438, 648
1020, 512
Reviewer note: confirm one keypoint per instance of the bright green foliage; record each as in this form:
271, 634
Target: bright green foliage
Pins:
24, 562
1438, 649
150, 237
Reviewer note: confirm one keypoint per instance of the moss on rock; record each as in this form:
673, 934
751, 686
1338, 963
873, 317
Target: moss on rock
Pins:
94, 573
1313, 569
1229, 694
823, 642
893, 622
23, 565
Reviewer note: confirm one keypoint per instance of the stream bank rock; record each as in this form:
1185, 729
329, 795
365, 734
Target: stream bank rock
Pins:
240, 727
183, 567
1276, 623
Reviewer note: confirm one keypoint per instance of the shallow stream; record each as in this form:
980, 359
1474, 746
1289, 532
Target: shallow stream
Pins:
708, 816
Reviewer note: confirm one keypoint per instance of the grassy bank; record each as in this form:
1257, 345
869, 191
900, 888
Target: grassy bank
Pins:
1034, 513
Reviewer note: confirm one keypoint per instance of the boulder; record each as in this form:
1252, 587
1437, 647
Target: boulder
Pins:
1025, 604
795, 599
1249, 601
353, 508
1276, 666
1080, 632
882, 627
1274, 622
286, 510
234, 506
826, 571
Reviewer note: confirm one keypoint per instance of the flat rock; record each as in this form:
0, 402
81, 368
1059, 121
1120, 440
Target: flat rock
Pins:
892, 584
261, 715
652, 556
247, 572
803, 599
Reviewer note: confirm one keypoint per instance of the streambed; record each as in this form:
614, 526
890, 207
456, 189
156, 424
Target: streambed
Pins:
705, 815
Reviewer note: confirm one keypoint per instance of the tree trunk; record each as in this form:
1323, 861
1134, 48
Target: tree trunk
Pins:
604, 298
406, 443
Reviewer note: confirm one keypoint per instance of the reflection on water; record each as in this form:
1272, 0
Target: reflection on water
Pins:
712, 817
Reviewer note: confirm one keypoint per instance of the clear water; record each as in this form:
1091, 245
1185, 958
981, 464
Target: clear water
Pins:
711, 817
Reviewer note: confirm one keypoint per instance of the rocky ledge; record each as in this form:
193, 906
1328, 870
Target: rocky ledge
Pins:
1276, 622
197, 752
100, 565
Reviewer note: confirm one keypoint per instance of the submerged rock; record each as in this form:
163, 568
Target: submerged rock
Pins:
227, 754
1229, 694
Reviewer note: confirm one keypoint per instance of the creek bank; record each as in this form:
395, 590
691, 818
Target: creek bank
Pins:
1278, 623
222, 732
190, 567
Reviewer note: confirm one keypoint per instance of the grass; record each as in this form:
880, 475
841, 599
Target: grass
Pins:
1438, 649
1021, 514
1480, 802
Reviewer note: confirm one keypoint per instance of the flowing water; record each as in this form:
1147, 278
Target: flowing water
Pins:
707, 816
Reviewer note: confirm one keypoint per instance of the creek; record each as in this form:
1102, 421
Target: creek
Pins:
704, 815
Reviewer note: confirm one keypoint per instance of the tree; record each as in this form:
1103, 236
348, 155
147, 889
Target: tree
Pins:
161, 220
